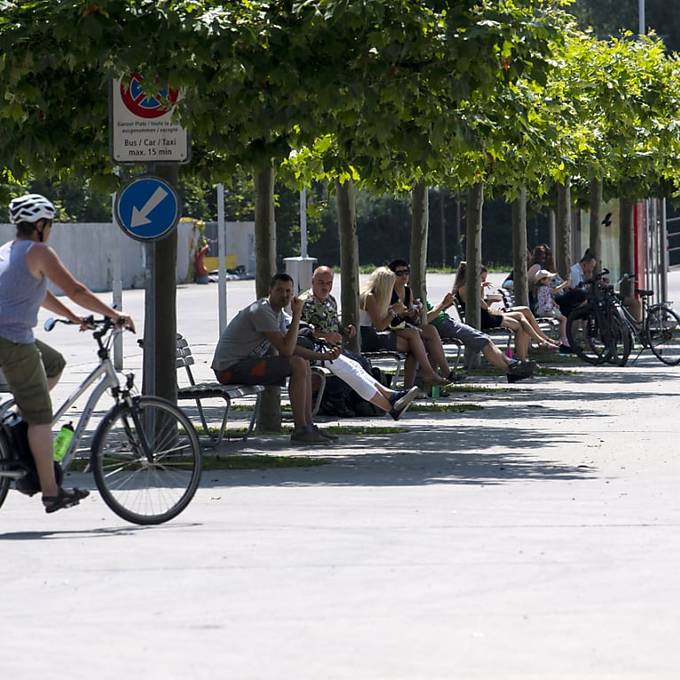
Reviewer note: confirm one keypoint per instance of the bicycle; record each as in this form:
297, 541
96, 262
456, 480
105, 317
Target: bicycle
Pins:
145, 454
605, 330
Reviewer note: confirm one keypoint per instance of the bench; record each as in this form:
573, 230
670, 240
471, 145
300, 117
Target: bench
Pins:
387, 355
212, 390
548, 324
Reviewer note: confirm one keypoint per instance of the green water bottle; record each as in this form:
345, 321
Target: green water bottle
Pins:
436, 391
62, 441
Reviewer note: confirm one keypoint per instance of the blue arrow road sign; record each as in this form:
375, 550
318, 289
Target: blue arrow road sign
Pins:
147, 208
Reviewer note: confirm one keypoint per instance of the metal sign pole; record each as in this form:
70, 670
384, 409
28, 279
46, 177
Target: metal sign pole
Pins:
116, 285
149, 381
303, 223
222, 253
663, 246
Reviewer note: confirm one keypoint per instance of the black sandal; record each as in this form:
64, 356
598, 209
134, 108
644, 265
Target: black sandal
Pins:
64, 499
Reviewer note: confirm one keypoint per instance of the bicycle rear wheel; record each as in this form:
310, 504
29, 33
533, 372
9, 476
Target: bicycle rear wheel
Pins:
585, 336
146, 460
4, 461
662, 329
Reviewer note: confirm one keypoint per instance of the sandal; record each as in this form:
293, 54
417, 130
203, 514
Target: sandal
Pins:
65, 498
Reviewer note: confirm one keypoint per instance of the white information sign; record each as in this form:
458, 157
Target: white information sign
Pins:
142, 130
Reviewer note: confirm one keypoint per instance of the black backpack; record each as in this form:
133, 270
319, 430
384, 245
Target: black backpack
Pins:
16, 438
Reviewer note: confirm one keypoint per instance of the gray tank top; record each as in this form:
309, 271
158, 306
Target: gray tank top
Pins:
21, 294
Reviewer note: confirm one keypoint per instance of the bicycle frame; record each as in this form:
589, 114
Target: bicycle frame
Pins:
109, 380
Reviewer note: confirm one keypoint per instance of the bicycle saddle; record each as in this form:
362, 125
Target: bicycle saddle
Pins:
644, 293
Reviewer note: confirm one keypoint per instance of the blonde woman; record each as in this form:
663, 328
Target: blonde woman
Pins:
376, 316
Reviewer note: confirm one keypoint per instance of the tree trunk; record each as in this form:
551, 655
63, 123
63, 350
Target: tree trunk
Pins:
457, 242
473, 257
563, 259
519, 248
419, 227
160, 348
345, 198
552, 239
269, 416
265, 231
627, 245
442, 223
595, 222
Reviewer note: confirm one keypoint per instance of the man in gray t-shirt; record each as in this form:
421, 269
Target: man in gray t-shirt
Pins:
244, 354
244, 337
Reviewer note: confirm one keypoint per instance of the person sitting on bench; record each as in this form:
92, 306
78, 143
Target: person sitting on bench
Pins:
243, 354
380, 319
320, 311
515, 321
475, 341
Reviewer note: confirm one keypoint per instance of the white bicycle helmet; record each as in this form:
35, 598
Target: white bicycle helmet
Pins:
30, 208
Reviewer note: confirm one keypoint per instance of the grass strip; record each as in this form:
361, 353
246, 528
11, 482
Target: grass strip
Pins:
445, 408
464, 389
260, 462
334, 429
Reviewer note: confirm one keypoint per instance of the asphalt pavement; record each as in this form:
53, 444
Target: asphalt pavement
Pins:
534, 537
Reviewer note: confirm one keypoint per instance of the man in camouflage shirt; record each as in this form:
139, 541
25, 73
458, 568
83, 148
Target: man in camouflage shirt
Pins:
321, 310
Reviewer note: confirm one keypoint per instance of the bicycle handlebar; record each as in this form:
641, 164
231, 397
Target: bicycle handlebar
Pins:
104, 324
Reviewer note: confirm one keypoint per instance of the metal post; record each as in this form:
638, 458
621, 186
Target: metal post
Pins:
116, 285
664, 251
642, 27
149, 383
221, 252
303, 223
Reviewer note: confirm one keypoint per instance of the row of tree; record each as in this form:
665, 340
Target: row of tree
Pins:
478, 96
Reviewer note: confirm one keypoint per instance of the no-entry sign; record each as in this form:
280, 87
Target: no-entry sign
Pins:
142, 130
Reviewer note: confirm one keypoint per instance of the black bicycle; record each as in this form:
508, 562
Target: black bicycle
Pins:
145, 454
604, 330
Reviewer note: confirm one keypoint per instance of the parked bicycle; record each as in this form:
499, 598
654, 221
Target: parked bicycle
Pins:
604, 330
145, 453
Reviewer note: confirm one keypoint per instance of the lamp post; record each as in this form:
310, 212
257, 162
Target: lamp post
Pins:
642, 28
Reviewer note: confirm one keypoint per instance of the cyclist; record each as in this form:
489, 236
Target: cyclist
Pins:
30, 366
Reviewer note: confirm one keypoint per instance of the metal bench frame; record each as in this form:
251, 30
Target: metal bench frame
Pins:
212, 390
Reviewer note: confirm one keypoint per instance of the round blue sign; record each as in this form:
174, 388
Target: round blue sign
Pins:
147, 208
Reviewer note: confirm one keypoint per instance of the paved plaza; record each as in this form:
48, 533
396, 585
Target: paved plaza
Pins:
536, 537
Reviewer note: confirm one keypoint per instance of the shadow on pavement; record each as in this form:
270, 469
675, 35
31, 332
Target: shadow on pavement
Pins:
127, 530
447, 456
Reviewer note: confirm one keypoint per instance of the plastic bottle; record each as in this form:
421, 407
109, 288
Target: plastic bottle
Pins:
62, 441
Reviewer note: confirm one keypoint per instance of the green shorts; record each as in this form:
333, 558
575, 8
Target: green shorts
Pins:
26, 368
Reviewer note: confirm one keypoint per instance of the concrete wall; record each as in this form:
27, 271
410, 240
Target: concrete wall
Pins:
86, 250
240, 242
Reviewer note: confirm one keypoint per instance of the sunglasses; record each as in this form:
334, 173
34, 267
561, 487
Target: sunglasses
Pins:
402, 272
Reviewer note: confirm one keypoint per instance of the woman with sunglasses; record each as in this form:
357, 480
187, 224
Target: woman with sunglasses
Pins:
413, 314
377, 318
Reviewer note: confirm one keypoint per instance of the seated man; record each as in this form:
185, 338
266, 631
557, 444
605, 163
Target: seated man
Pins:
320, 310
243, 354
476, 341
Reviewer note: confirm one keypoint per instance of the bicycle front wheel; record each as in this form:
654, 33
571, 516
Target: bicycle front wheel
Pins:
662, 329
146, 460
620, 339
